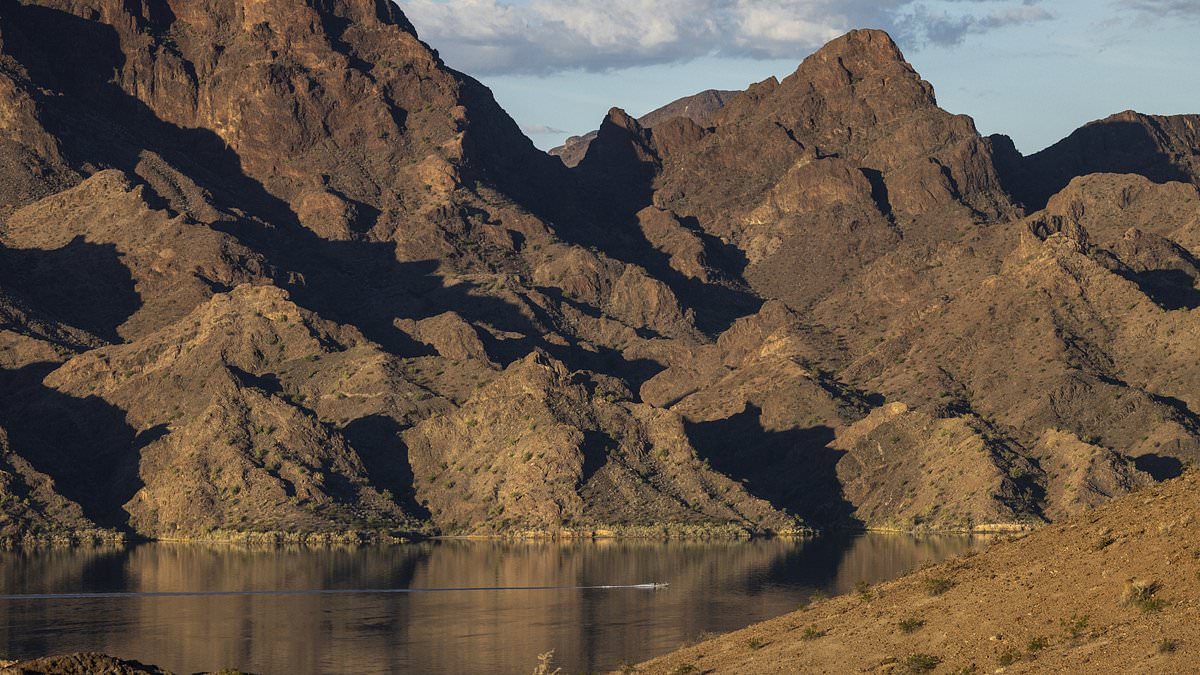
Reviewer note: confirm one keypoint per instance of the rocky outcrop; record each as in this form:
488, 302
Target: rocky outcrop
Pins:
451, 336
168, 264
27, 337
906, 469
1082, 476
544, 450
856, 98
79, 664
1084, 365
227, 411
842, 162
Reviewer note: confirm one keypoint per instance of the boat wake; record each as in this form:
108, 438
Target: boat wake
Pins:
320, 591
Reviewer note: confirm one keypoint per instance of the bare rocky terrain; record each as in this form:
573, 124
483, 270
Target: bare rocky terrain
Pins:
88, 663
272, 270
1108, 591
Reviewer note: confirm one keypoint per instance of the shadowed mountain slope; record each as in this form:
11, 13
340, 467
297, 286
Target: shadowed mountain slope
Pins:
1161, 148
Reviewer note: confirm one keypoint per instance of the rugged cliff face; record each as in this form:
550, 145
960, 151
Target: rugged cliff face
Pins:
269, 266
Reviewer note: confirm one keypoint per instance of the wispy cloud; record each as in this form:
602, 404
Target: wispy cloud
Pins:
1178, 9
544, 36
946, 27
541, 130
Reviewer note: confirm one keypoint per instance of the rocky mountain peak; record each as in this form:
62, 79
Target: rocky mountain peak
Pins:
620, 119
861, 49
858, 81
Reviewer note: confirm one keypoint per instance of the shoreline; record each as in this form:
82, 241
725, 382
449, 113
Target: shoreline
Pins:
663, 532
364, 538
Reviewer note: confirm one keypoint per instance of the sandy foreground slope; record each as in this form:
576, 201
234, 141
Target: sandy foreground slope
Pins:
1109, 591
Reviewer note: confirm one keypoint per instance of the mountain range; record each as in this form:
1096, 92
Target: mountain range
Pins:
271, 269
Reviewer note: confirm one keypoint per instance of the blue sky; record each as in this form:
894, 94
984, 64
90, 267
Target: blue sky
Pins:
1034, 69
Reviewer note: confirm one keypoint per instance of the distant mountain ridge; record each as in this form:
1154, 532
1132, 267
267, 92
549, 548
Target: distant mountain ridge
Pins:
697, 107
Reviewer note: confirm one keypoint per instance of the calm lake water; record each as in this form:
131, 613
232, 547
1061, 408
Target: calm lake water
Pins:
714, 587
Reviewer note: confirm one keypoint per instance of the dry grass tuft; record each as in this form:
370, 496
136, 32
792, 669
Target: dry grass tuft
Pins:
1140, 593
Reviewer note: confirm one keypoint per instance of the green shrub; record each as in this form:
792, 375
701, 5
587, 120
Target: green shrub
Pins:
938, 585
1037, 644
811, 633
921, 663
1166, 646
910, 625
1075, 626
1008, 657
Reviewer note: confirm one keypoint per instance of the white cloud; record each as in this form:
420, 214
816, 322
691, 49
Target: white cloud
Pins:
543, 36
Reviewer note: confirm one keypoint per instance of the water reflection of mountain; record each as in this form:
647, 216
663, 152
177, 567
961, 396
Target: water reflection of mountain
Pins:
714, 587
